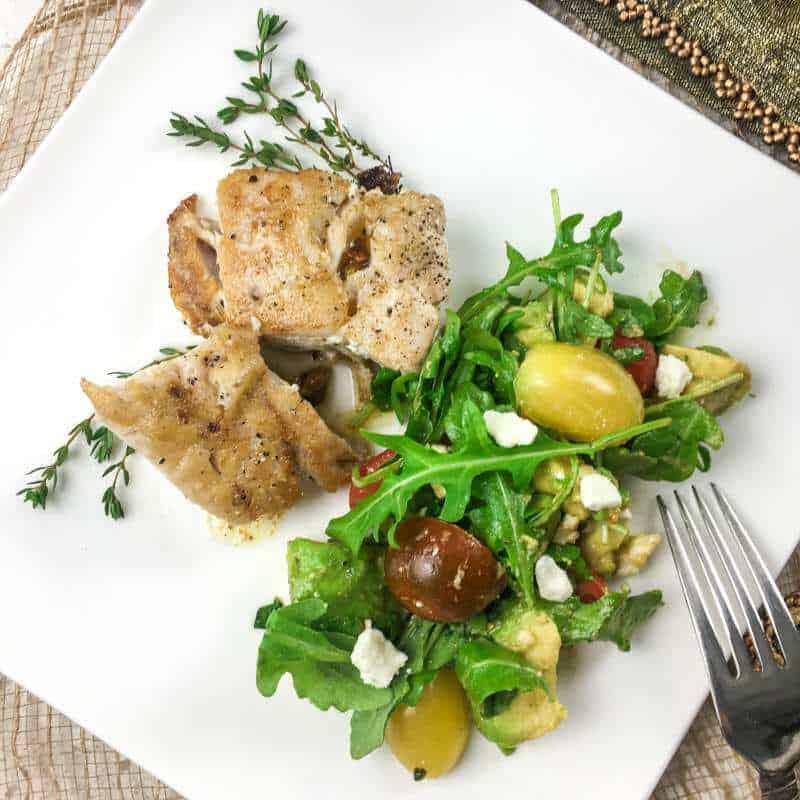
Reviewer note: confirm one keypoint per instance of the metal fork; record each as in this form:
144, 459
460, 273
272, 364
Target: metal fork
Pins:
758, 710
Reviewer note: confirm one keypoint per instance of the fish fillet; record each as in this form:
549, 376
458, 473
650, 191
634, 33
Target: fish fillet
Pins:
192, 268
310, 261
231, 435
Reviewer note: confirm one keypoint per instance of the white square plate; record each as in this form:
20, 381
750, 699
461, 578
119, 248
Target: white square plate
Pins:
141, 630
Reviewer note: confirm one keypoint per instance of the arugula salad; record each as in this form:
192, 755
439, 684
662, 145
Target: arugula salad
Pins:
495, 531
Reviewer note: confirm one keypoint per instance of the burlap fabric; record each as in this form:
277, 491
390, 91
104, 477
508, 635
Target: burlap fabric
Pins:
45, 755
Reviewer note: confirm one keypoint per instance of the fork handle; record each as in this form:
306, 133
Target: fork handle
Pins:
779, 786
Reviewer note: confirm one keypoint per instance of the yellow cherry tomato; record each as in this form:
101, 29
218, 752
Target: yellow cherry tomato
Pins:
429, 738
578, 391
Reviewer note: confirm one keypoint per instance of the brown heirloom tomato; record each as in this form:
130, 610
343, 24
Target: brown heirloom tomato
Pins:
440, 572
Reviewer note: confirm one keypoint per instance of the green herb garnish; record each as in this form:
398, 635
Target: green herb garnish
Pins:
330, 141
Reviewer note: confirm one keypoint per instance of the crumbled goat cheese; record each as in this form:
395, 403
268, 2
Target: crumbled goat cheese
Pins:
554, 584
376, 658
509, 429
672, 376
598, 492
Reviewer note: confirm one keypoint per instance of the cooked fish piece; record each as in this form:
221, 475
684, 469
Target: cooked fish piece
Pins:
192, 267
311, 261
231, 435
273, 257
318, 451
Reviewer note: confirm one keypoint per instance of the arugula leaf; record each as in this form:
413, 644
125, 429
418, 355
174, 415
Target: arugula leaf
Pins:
487, 351
262, 615
600, 236
427, 404
368, 728
569, 557
565, 256
382, 387
354, 589
452, 419
394, 391
635, 611
631, 315
671, 453
474, 454
581, 622
574, 322
612, 618
628, 355
500, 523
678, 306
318, 659
486, 670
429, 647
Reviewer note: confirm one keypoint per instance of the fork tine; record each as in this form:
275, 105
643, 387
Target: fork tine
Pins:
746, 607
716, 665
720, 595
774, 605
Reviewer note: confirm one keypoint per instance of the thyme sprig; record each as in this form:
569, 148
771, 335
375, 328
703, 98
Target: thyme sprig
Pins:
168, 352
101, 444
332, 141
268, 154
44, 484
111, 504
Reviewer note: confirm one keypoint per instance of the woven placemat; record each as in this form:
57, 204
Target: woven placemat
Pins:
43, 755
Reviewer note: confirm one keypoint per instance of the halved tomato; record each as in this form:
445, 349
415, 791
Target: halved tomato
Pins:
642, 371
358, 493
592, 590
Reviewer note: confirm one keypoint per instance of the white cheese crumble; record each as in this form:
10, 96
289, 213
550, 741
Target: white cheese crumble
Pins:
509, 429
554, 584
598, 492
672, 376
376, 658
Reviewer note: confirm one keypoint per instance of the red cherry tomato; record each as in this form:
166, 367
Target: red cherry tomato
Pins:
642, 371
592, 590
358, 493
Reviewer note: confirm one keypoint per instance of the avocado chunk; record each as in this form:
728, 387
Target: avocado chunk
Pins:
529, 715
353, 588
535, 325
712, 368
602, 300
599, 545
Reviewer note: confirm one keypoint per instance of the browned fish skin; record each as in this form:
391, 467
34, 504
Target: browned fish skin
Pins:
219, 424
311, 261
193, 273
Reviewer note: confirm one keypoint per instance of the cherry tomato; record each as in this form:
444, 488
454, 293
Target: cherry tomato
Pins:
429, 738
642, 371
440, 572
592, 590
358, 493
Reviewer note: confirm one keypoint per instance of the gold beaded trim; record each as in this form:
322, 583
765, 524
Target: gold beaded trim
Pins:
746, 105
